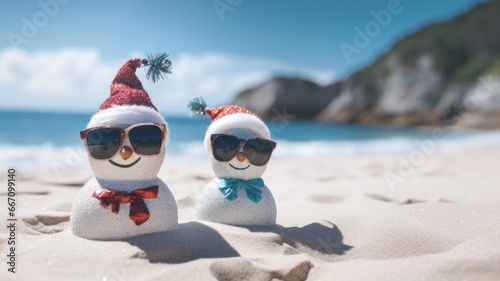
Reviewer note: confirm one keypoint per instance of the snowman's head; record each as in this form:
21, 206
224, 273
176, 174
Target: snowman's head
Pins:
126, 142
239, 153
239, 143
126, 138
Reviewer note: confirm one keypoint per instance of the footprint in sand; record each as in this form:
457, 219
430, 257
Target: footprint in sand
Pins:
246, 270
48, 223
27, 193
387, 199
203, 178
374, 169
327, 199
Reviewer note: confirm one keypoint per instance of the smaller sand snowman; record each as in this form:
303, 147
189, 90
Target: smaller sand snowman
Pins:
240, 146
125, 142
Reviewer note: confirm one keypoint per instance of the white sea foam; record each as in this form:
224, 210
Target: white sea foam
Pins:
49, 157
447, 143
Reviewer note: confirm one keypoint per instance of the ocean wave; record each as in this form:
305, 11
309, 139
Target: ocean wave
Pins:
51, 157
395, 145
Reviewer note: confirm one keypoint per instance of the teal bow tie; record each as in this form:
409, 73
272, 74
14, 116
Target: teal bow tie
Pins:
229, 188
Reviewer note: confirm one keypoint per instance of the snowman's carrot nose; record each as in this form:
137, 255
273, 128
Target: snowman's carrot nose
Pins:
126, 152
241, 156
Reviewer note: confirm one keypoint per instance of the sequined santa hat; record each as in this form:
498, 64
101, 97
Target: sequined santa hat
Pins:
227, 117
128, 102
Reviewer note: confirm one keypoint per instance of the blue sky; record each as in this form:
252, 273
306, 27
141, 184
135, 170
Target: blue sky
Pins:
78, 46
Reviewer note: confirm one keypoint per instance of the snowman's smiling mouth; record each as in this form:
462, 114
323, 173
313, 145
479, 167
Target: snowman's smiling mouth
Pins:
236, 168
124, 166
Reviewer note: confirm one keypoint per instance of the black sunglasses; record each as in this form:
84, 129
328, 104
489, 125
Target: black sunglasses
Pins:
104, 141
257, 150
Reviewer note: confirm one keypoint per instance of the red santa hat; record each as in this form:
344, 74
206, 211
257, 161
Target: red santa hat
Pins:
228, 117
128, 102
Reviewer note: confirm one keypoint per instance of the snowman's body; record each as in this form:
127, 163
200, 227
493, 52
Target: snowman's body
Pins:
91, 220
213, 206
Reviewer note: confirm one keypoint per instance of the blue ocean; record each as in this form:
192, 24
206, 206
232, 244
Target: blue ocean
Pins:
42, 140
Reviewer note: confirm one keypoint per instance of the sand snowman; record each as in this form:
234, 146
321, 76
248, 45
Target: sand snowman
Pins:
240, 146
125, 141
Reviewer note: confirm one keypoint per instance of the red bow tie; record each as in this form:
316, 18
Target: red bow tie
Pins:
139, 212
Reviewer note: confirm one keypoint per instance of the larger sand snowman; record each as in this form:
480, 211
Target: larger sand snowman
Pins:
240, 146
126, 141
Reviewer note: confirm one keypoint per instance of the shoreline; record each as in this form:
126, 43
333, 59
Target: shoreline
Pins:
46, 158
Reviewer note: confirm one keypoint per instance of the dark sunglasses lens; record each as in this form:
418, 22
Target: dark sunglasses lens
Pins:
258, 151
146, 140
103, 143
224, 148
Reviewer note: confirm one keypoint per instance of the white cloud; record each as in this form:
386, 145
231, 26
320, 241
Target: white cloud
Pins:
78, 79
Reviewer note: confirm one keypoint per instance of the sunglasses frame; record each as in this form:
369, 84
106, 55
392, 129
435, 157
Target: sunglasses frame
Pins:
242, 144
124, 133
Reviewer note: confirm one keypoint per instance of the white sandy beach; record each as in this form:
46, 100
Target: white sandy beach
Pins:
337, 220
